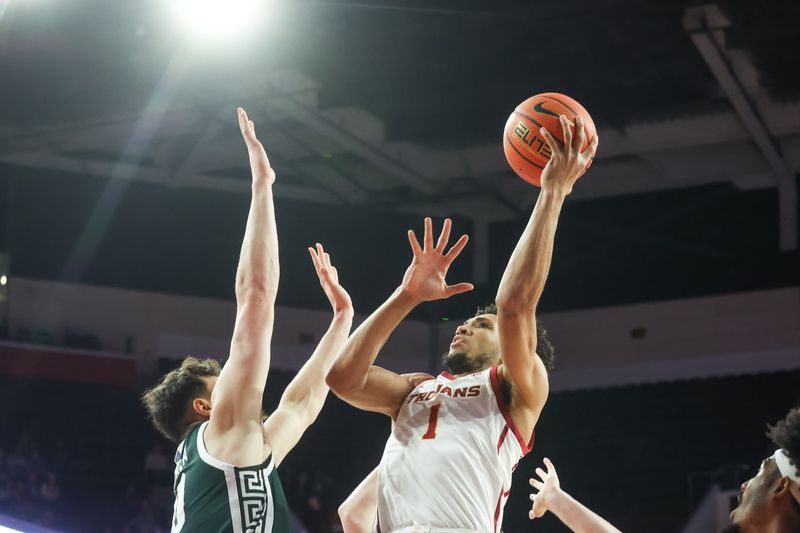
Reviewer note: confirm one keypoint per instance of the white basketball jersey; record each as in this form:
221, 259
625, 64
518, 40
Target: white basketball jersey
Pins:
448, 462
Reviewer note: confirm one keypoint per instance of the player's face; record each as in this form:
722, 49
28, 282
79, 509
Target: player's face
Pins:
211, 382
474, 346
753, 497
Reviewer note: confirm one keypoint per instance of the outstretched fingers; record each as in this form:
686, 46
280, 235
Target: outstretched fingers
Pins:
444, 236
412, 240
248, 129
456, 249
428, 238
458, 288
315, 258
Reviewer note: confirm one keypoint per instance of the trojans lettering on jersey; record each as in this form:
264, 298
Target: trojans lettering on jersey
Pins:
448, 462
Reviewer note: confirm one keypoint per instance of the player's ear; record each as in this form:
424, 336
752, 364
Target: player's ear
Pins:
781, 489
201, 408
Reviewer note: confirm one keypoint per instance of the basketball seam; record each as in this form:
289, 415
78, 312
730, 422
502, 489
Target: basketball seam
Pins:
511, 142
562, 103
534, 120
523, 115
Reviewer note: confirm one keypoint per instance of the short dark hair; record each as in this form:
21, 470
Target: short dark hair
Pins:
168, 402
544, 348
785, 434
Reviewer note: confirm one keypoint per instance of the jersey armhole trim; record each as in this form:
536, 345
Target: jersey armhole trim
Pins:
205, 455
501, 404
207, 458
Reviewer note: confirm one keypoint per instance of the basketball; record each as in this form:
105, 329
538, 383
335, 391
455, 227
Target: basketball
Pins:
526, 150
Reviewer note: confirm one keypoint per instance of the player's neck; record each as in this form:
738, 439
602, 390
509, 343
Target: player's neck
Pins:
478, 370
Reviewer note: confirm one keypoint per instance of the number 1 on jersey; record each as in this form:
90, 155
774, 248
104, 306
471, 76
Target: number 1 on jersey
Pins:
432, 421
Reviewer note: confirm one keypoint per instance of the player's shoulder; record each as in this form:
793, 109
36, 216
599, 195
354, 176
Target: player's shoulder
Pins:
416, 378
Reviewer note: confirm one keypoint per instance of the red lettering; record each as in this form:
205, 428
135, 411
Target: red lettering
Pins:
430, 395
460, 393
433, 421
448, 391
475, 390
410, 398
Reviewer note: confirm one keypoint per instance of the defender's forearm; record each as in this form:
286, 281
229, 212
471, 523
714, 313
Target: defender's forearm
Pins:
309, 385
258, 268
524, 278
578, 517
351, 369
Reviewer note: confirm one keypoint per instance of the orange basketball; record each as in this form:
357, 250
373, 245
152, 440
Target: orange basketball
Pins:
526, 150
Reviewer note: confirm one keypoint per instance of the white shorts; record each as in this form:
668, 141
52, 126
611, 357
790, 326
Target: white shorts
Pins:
419, 528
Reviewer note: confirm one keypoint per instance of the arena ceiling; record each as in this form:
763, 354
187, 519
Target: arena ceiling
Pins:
399, 106
404, 104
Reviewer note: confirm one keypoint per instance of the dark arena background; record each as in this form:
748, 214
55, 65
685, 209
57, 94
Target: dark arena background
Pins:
673, 299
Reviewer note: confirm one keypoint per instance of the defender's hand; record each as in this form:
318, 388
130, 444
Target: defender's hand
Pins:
259, 163
567, 162
424, 278
548, 487
329, 279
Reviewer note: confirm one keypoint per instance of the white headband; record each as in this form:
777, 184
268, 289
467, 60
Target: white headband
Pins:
784, 466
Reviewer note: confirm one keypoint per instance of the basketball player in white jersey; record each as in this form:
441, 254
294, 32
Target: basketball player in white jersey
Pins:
358, 511
457, 438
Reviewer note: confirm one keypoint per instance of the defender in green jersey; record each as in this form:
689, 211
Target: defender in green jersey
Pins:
225, 474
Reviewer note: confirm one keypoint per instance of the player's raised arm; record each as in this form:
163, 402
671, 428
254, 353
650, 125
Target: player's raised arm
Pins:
524, 278
353, 376
304, 397
238, 391
570, 511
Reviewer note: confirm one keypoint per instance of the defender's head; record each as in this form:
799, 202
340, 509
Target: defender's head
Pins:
182, 397
770, 501
476, 346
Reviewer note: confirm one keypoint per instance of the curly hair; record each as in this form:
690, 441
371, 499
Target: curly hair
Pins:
785, 434
544, 348
168, 402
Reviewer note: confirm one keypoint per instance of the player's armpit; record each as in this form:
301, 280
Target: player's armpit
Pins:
382, 392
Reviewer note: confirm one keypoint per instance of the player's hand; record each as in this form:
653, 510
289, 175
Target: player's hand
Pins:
259, 163
424, 278
329, 279
567, 162
548, 488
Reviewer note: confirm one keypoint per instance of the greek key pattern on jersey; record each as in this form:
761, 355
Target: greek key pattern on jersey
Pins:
253, 490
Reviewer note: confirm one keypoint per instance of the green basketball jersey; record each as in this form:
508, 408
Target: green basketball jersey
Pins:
215, 497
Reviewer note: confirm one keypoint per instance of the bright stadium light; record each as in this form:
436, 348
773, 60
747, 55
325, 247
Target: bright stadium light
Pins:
3, 280
215, 18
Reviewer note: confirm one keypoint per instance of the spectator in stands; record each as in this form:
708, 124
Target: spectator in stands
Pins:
17, 461
23, 499
50, 492
146, 521
156, 459
6, 493
770, 501
157, 465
